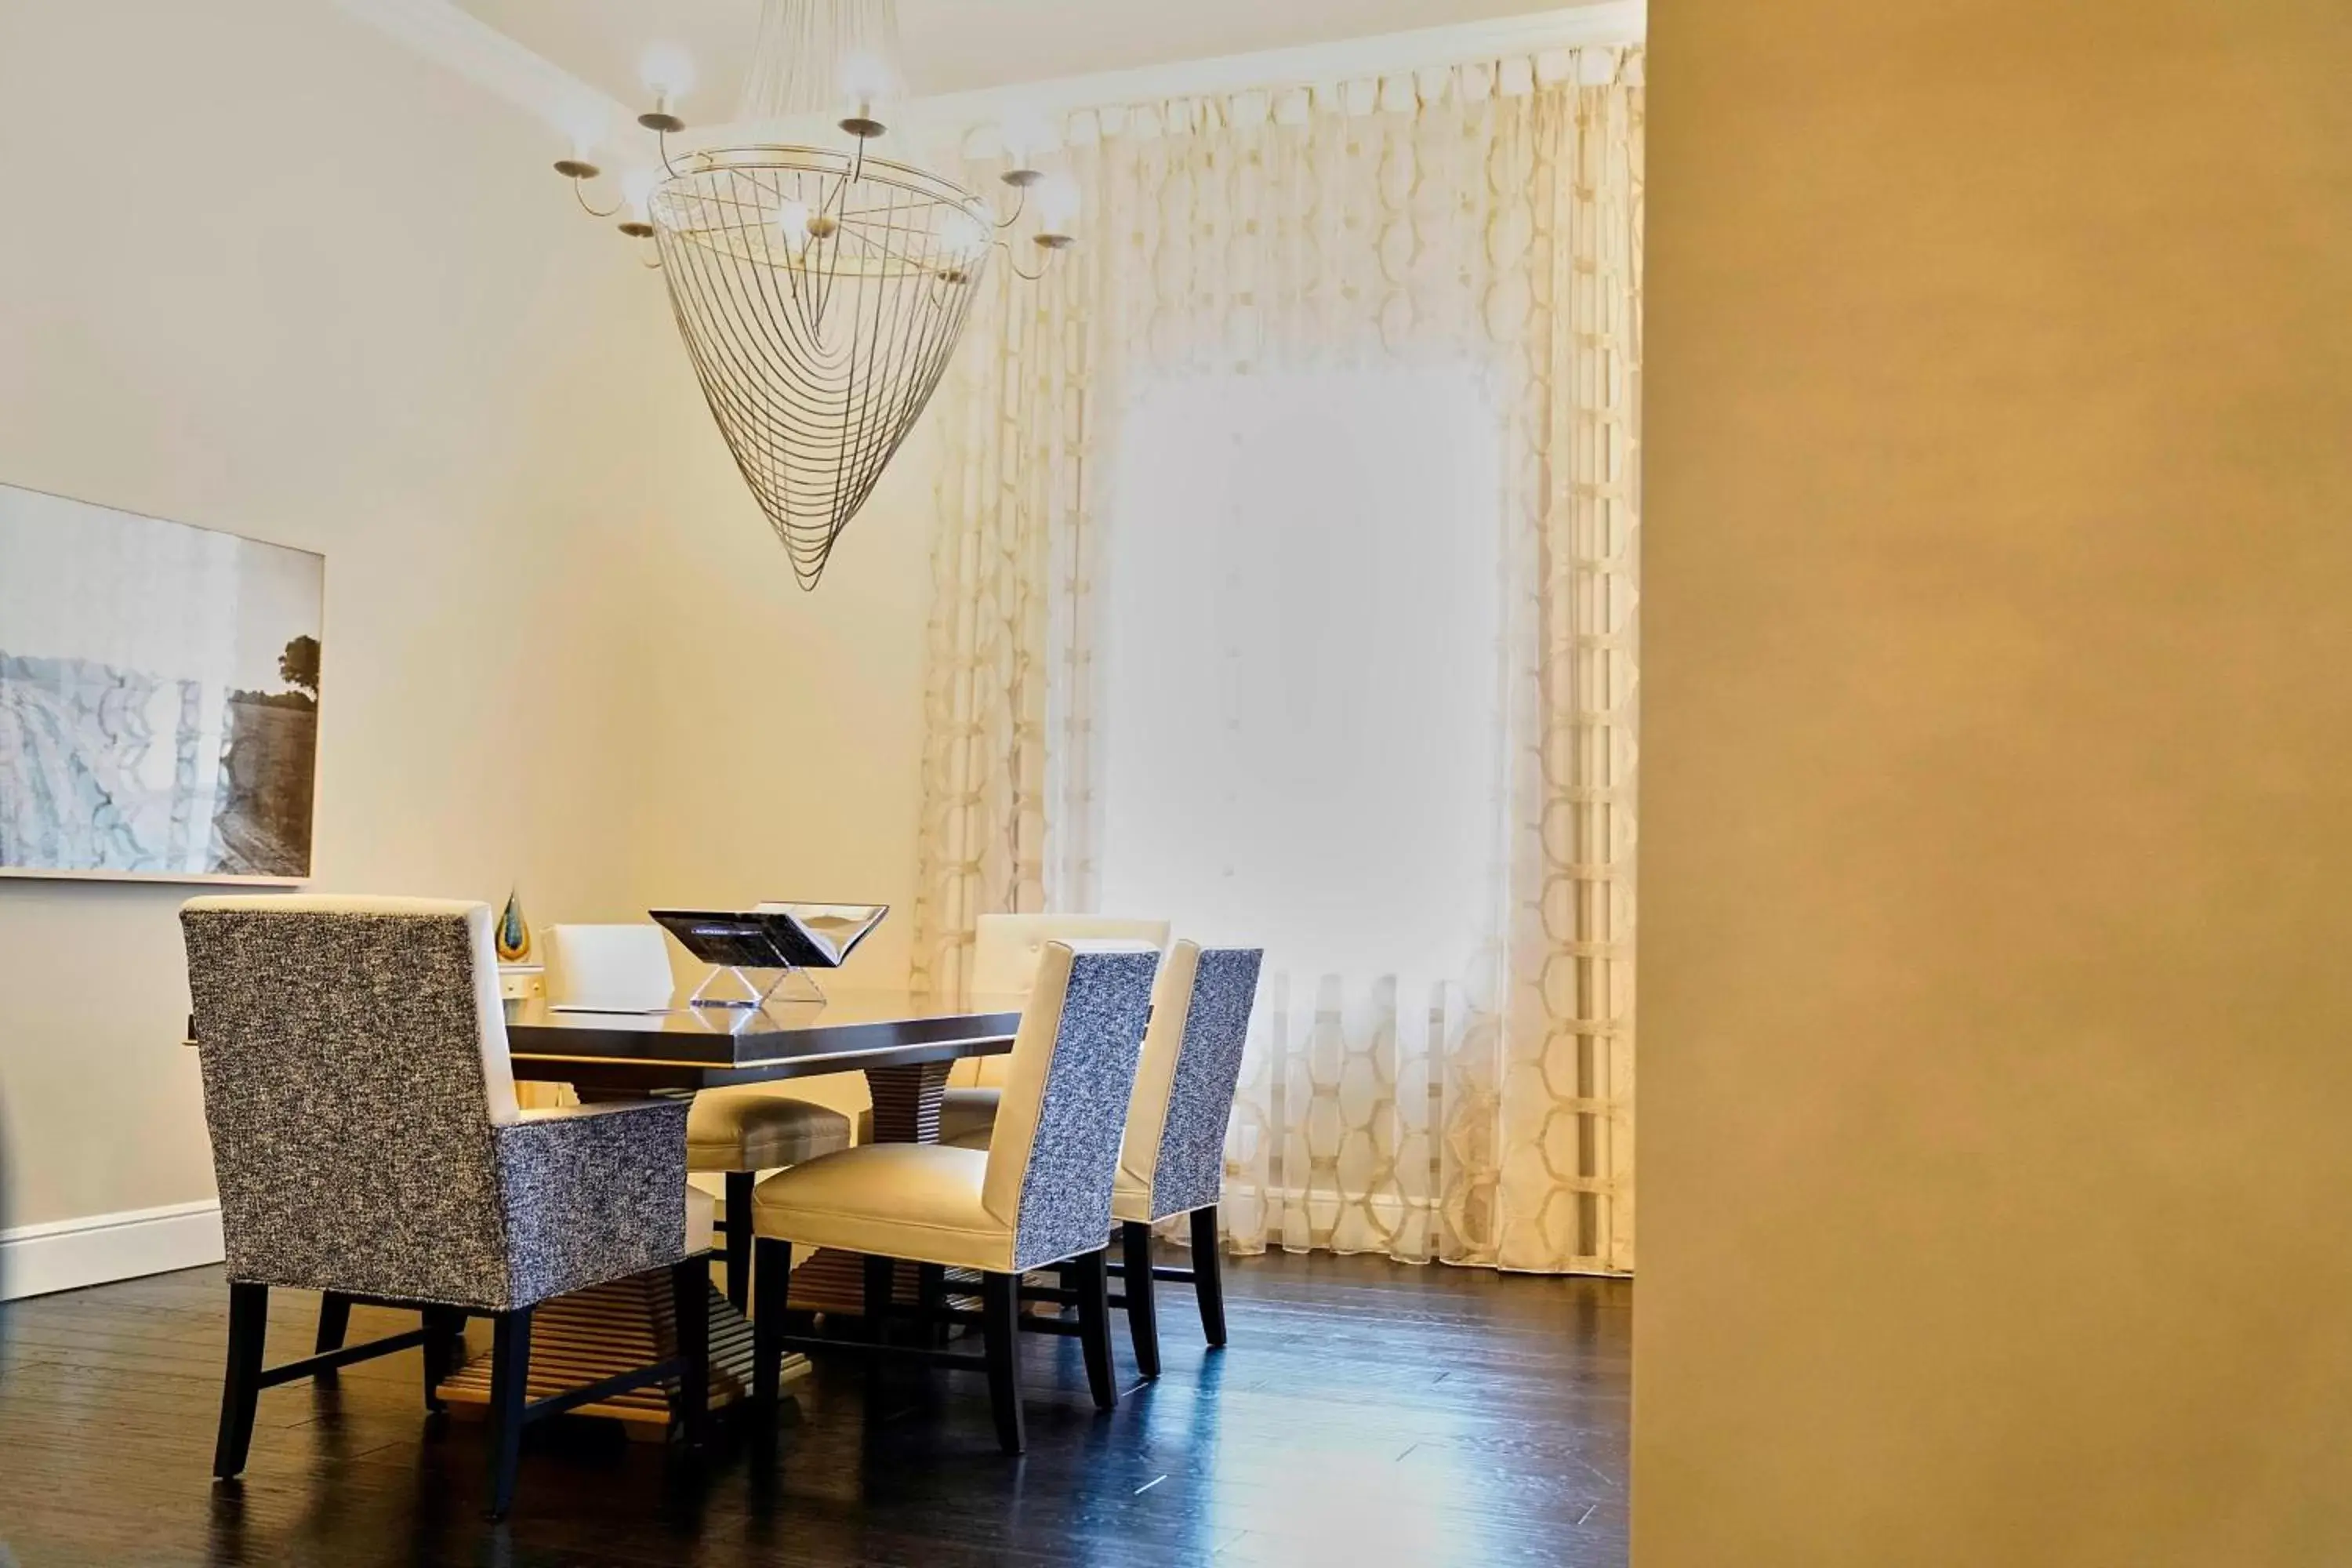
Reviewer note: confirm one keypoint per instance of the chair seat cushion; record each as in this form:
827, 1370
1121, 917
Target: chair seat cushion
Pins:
757, 1129
916, 1201
702, 1220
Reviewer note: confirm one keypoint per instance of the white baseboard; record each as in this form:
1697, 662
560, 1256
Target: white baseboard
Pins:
68, 1253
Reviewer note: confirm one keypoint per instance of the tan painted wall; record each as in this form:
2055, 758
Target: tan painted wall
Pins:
1997, 1099
264, 271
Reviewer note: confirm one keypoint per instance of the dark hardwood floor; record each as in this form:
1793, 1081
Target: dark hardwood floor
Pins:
1365, 1413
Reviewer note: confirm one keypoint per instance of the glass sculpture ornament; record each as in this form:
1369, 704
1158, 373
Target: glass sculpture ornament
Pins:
514, 931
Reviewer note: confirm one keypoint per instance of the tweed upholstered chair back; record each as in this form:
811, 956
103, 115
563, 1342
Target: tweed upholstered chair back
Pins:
1054, 1155
354, 1061
1175, 1146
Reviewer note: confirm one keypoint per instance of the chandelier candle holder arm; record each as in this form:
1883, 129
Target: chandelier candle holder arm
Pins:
819, 291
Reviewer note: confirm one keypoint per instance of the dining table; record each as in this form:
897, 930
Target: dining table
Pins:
904, 1042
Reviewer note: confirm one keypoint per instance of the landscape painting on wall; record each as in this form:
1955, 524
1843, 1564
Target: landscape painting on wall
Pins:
159, 696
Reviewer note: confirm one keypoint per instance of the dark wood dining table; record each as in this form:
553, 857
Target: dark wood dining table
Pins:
904, 1042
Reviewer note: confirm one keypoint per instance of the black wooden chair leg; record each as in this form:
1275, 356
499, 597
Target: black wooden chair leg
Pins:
445, 1350
931, 1300
1092, 1286
1142, 1306
335, 1321
738, 1223
773, 1261
881, 1280
690, 1283
248, 1325
509, 1387
1000, 1296
1208, 1277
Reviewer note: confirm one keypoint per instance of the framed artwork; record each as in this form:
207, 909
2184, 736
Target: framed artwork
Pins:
159, 698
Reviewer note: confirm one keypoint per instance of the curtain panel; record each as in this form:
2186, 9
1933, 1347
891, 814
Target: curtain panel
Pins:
1490, 214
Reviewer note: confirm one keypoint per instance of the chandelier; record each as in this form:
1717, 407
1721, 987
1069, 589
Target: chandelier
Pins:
819, 291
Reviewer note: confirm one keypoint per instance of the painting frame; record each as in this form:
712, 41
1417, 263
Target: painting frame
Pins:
306, 800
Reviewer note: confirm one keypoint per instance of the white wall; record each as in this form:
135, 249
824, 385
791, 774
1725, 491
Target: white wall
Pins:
265, 272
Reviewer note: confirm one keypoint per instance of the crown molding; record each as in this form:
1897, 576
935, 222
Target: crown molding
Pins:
1611, 23
459, 41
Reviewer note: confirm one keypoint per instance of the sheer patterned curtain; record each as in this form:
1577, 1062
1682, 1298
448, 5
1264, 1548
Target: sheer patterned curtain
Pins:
1008, 816
1481, 222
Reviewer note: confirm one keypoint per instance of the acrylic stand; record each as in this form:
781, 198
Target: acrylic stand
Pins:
745, 988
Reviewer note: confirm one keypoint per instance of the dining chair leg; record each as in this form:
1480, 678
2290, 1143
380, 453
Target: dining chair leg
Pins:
1142, 1306
1208, 1276
881, 1282
931, 1300
773, 1261
249, 1324
1000, 1299
1093, 1290
444, 1339
509, 1392
689, 1286
335, 1321
738, 1223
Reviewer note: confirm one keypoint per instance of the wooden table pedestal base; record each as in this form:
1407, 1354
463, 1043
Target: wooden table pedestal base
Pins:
609, 1330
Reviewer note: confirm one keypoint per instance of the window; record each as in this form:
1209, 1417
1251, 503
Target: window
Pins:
1300, 666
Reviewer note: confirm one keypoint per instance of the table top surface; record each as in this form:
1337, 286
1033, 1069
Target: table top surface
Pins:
691, 1046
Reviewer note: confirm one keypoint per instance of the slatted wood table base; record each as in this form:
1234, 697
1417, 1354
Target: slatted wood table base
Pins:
611, 1328
833, 1281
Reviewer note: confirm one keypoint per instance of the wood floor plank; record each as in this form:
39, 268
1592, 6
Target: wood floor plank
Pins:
1366, 1413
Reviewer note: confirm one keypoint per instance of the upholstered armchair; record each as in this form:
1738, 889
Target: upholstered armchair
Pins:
367, 1143
1039, 1196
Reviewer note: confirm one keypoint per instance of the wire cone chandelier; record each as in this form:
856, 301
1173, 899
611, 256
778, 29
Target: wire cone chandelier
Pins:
820, 292
819, 300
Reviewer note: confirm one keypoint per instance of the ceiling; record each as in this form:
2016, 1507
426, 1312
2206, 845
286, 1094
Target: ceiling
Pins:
953, 45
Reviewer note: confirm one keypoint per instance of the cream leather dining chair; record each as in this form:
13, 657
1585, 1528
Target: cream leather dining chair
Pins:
367, 1144
734, 1132
1040, 1196
1004, 953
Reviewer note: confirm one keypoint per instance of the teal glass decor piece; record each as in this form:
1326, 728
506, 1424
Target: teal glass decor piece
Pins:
514, 931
